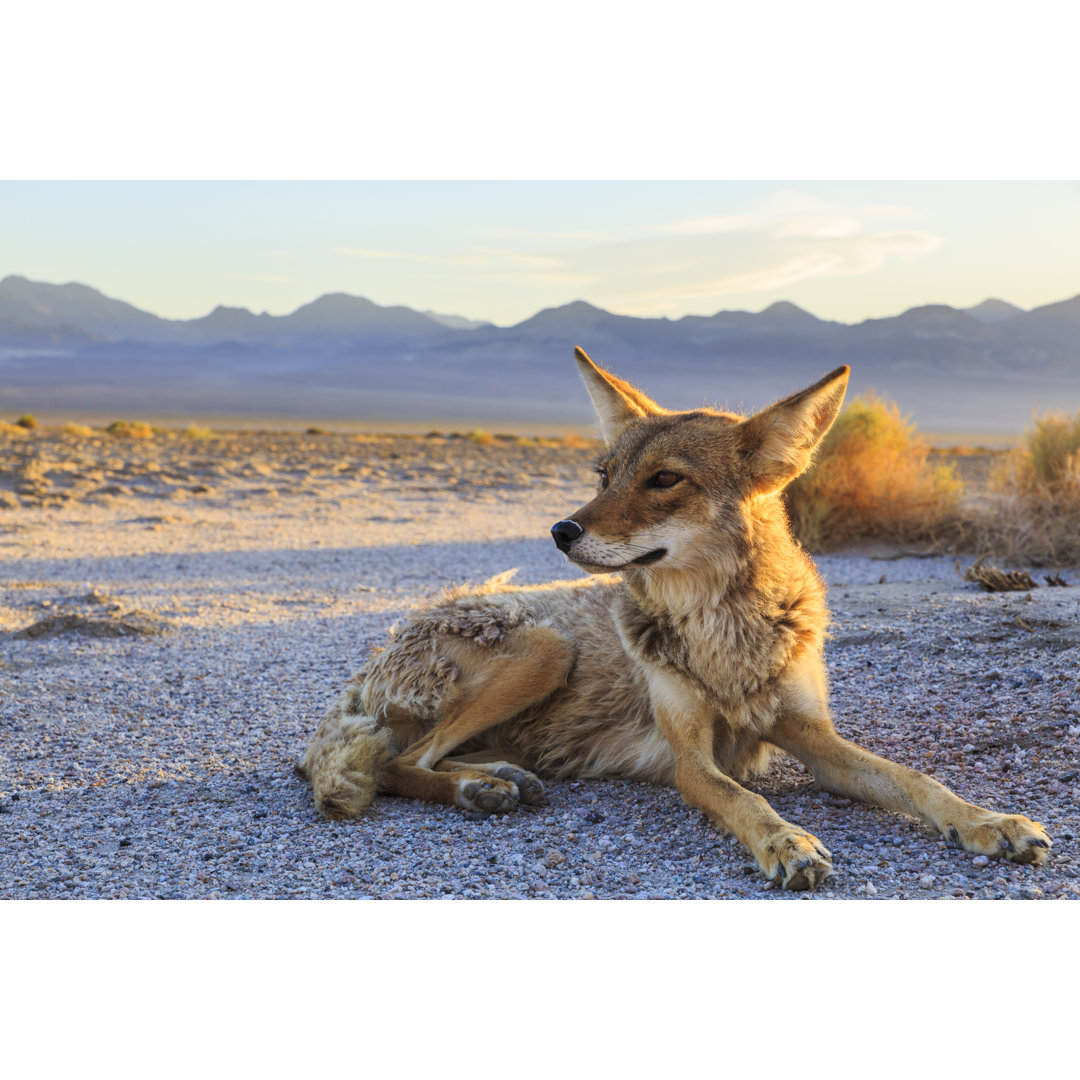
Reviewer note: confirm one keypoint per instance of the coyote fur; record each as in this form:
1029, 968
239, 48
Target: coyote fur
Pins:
691, 656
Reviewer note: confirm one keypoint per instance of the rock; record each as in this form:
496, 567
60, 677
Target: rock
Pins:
132, 624
980, 860
926, 881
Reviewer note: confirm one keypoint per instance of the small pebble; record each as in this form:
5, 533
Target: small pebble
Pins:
980, 860
926, 881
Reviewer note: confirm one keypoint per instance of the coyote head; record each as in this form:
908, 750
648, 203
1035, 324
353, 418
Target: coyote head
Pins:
676, 487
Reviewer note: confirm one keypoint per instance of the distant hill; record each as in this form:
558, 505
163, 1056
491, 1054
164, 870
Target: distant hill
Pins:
34, 303
70, 348
994, 311
457, 322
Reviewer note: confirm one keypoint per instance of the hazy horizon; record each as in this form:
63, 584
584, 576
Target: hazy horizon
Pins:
503, 250
573, 300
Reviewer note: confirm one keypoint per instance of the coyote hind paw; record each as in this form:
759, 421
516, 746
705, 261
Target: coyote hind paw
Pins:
530, 789
489, 795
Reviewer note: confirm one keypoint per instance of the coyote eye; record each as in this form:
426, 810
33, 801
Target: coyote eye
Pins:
604, 481
664, 479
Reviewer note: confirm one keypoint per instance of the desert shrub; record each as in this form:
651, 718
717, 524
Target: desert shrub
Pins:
1047, 460
81, 430
1033, 514
193, 431
481, 438
570, 441
872, 480
574, 441
27, 421
315, 431
130, 429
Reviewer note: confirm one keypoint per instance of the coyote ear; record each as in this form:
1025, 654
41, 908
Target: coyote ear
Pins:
779, 441
616, 402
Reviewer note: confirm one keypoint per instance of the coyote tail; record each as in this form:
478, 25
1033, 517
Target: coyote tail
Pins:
344, 763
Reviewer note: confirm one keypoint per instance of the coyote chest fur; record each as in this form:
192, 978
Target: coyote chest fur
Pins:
691, 656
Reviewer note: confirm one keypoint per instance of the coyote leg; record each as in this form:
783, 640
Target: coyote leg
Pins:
495, 690
787, 855
464, 787
846, 769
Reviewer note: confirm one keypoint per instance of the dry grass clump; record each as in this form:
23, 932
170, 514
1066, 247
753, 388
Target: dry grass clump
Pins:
994, 579
130, 429
27, 421
481, 438
205, 434
571, 441
80, 430
1034, 514
872, 480
11, 429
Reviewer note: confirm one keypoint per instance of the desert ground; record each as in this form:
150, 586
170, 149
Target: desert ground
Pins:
176, 612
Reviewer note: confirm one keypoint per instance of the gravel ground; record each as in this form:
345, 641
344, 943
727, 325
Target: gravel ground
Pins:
175, 614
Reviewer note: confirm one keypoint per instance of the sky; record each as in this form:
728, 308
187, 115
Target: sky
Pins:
503, 250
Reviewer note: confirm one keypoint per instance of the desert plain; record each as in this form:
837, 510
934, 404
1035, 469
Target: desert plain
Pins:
177, 611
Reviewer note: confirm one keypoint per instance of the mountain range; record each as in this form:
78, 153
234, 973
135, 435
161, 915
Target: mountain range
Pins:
69, 349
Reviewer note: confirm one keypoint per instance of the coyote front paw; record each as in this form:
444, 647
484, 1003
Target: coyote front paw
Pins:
488, 795
794, 859
1010, 836
530, 790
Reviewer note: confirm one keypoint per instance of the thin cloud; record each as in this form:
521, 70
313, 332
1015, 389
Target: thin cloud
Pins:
820, 227
490, 259
374, 253
548, 236
276, 279
705, 226
776, 277
791, 213
832, 256
696, 263
497, 258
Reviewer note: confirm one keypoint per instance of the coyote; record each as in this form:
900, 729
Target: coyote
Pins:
691, 656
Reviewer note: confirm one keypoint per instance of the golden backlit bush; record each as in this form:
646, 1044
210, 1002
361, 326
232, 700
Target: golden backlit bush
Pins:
872, 480
130, 429
1033, 514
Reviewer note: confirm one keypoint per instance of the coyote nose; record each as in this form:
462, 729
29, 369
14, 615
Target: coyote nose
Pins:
564, 533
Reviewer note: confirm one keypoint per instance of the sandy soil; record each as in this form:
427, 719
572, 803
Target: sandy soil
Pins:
176, 613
